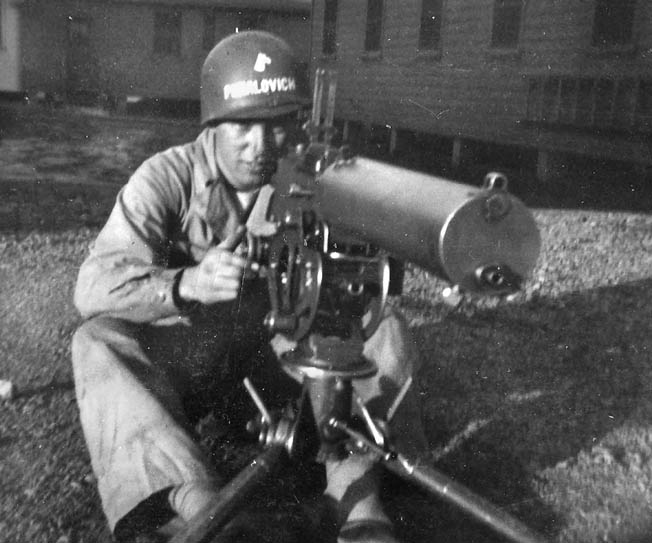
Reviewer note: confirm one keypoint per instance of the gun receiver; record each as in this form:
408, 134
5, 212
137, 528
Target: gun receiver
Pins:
482, 239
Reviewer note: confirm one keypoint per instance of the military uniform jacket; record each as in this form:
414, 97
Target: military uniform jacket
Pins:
175, 206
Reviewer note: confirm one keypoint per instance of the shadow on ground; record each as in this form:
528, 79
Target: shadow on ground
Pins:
528, 387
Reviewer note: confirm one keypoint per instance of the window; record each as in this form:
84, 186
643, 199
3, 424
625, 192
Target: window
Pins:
167, 32
208, 37
567, 99
590, 103
613, 22
534, 99
378, 140
251, 20
329, 39
550, 102
624, 103
374, 25
644, 105
506, 23
604, 101
430, 29
585, 101
79, 31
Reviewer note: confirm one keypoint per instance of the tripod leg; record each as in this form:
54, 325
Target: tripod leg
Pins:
478, 507
439, 485
207, 523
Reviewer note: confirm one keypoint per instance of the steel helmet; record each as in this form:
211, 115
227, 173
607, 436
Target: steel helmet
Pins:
251, 75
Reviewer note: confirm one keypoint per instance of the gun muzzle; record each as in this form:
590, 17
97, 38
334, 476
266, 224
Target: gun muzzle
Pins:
482, 239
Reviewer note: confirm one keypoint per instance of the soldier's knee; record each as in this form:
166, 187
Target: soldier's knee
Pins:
97, 332
391, 345
99, 349
394, 325
82, 338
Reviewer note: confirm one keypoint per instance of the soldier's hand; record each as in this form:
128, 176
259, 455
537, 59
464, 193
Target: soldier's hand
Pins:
217, 278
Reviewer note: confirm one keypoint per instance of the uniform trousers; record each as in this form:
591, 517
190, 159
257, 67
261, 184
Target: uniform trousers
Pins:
141, 388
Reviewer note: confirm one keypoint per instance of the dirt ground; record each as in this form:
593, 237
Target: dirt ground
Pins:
541, 402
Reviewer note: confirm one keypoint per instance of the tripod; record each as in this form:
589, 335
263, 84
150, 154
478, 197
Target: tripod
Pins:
328, 366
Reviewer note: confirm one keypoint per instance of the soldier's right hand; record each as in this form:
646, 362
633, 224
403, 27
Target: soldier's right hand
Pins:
218, 277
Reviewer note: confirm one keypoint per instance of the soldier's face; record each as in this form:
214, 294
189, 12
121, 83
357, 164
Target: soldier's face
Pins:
248, 152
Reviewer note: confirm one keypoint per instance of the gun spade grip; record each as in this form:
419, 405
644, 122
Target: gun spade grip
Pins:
449, 228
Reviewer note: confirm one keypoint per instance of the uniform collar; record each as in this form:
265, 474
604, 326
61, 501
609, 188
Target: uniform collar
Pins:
217, 199
206, 171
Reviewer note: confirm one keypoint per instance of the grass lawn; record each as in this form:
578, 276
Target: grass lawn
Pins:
541, 402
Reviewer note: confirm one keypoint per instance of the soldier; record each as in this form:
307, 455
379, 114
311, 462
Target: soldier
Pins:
170, 321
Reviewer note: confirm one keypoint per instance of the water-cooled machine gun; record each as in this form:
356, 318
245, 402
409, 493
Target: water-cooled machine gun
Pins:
337, 229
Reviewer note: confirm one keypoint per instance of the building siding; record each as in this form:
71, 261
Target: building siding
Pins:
467, 89
120, 49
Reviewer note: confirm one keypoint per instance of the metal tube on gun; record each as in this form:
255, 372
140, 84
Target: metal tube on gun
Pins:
317, 97
330, 108
465, 234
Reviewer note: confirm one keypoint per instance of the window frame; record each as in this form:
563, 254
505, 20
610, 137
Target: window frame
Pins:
163, 34
435, 47
329, 28
373, 36
499, 25
251, 19
603, 24
209, 29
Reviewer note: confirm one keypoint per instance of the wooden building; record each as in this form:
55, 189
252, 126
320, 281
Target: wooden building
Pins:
550, 80
120, 48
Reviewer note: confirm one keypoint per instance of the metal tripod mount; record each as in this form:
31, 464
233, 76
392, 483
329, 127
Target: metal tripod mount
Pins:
322, 299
